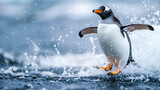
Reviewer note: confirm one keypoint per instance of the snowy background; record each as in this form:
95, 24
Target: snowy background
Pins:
52, 24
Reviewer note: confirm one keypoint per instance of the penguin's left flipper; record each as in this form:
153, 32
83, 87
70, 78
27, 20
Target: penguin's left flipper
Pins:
134, 27
89, 30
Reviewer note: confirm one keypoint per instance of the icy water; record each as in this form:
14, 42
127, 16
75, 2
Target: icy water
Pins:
40, 47
46, 79
71, 79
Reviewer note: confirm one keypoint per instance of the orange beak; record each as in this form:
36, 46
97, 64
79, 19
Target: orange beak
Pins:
97, 11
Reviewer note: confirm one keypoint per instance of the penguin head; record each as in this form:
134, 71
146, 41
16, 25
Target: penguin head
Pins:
104, 12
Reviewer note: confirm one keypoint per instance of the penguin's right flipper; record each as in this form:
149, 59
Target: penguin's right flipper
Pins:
134, 27
88, 30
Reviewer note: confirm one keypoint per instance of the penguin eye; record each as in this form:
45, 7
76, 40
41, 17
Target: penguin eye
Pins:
105, 11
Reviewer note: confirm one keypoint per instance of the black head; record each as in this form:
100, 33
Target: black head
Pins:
104, 12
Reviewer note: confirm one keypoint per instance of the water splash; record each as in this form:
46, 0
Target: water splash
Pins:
94, 47
152, 18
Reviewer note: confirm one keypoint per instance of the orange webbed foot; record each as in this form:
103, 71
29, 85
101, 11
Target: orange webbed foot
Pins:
107, 68
114, 72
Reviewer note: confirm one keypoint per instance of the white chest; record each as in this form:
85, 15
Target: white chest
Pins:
113, 44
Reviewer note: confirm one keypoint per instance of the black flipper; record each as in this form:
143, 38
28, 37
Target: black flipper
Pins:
134, 27
130, 28
89, 30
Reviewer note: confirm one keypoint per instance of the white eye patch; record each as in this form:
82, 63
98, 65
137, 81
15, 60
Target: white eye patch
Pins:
107, 8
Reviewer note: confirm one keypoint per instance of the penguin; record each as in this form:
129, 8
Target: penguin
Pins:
114, 39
